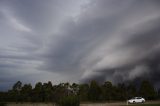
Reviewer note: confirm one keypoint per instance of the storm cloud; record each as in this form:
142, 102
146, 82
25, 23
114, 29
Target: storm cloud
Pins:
78, 41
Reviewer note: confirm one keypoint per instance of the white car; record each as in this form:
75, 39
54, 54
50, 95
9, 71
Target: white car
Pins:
136, 100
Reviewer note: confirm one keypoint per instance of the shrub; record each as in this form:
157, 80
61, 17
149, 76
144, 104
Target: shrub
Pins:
69, 101
2, 104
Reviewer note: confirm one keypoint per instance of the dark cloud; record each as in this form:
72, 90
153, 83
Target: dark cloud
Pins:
78, 41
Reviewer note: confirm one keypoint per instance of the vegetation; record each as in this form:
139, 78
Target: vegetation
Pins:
94, 91
66, 94
147, 90
69, 101
2, 104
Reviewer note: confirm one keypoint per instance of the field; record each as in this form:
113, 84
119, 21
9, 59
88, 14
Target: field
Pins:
150, 103
145, 105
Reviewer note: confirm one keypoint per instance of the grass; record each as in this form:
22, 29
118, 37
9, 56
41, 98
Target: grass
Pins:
143, 105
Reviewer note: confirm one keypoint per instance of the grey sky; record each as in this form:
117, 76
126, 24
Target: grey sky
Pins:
79, 40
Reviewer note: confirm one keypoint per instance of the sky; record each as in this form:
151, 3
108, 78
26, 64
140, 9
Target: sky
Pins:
79, 40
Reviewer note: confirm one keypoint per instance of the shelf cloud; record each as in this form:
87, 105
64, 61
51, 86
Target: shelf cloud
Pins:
79, 41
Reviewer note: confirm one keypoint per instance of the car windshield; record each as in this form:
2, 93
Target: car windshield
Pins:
134, 98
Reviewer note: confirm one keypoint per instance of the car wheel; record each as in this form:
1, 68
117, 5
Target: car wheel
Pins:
142, 101
134, 102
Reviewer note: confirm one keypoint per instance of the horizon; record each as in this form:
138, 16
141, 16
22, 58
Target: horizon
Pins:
78, 41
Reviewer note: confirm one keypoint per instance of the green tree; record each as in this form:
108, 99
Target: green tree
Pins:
75, 88
26, 92
147, 90
17, 86
107, 90
159, 93
94, 91
122, 91
38, 94
83, 92
131, 91
3, 97
60, 91
48, 91
16, 89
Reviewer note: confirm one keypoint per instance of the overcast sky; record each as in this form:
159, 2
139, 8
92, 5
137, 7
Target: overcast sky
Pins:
79, 40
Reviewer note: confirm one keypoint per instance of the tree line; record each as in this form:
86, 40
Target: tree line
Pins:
94, 92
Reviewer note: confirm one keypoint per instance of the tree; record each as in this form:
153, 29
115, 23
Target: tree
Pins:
48, 91
121, 92
26, 92
65, 93
131, 91
159, 93
17, 86
83, 92
94, 91
60, 91
75, 88
38, 94
107, 90
16, 91
3, 97
147, 90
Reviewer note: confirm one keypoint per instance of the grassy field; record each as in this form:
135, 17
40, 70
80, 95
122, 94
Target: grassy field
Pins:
148, 103
143, 105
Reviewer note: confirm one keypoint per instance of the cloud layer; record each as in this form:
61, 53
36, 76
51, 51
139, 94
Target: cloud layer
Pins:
78, 41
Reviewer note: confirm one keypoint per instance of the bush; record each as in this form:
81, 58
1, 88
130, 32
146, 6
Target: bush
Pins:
69, 101
2, 104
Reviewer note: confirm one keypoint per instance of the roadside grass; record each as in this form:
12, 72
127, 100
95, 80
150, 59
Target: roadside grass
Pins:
142, 105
